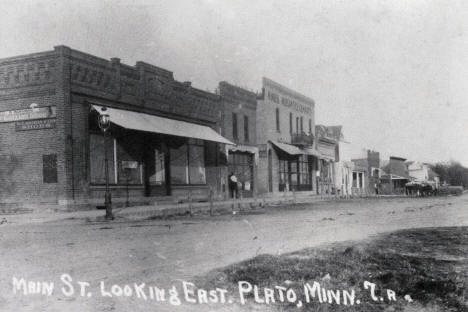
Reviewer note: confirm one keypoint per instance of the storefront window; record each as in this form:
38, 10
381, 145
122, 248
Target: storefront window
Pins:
304, 170
294, 172
96, 157
129, 170
196, 164
188, 163
283, 172
179, 165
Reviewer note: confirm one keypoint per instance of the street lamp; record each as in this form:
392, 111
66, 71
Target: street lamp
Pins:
104, 124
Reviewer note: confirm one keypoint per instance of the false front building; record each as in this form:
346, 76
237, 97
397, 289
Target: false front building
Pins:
162, 144
285, 137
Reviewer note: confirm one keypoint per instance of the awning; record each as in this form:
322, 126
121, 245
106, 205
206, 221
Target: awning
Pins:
288, 148
156, 124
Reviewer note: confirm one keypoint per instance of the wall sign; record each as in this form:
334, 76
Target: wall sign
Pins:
28, 114
37, 124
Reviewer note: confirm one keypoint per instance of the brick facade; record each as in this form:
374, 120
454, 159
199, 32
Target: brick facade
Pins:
71, 81
238, 124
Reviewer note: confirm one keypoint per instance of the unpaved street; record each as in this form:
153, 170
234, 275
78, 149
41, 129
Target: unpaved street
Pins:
164, 252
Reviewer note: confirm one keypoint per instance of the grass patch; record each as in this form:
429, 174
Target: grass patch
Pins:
429, 264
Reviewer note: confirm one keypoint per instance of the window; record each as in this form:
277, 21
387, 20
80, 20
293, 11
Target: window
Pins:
246, 128
129, 169
197, 164
304, 170
283, 175
290, 123
297, 124
188, 163
294, 173
277, 120
234, 126
97, 159
179, 165
354, 179
49, 168
159, 176
310, 126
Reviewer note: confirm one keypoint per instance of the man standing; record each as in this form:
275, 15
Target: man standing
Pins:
233, 189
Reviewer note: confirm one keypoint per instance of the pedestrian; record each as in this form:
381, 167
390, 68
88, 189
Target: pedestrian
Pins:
233, 188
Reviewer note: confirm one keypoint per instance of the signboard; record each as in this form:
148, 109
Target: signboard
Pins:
28, 114
26, 125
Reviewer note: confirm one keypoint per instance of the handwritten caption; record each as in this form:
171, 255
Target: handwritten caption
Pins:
187, 292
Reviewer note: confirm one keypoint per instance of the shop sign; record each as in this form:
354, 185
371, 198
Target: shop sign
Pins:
27, 125
28, 114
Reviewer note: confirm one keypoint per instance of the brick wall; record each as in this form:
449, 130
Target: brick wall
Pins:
71, 80
25, 80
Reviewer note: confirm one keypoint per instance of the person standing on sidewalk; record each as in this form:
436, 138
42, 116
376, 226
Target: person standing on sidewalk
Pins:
233, 189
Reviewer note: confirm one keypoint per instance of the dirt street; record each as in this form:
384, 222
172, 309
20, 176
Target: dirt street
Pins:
165, 252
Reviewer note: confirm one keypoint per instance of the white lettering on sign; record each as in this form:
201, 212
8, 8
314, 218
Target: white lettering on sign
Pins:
28, 114
26, 125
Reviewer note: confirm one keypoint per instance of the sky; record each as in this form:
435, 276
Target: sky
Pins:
393, 73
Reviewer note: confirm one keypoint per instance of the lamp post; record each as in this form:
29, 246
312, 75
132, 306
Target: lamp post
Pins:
104, 124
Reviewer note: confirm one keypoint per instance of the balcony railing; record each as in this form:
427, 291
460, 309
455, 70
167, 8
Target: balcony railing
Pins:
302, 139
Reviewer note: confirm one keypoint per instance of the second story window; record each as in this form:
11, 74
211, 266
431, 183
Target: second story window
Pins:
290, 123
234, 126
310, 126
246, 128
302, 124
277, 120
297, 125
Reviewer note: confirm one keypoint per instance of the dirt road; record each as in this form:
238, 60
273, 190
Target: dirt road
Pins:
163, 253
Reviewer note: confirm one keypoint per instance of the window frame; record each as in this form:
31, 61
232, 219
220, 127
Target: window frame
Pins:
278, 128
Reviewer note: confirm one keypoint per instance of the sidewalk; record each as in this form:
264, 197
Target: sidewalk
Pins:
173, 209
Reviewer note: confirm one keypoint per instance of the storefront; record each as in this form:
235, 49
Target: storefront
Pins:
151, 155
163, 143
238, 125
242, 164
295, 167
285, 136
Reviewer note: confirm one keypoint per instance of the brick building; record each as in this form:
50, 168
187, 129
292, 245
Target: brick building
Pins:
285, 136
162, 140
238, 116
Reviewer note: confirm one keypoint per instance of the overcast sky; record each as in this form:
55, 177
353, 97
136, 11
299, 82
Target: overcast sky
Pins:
393, 73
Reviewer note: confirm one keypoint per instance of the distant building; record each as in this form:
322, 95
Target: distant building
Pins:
328, 147
394, 176
371, 171
418, 171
